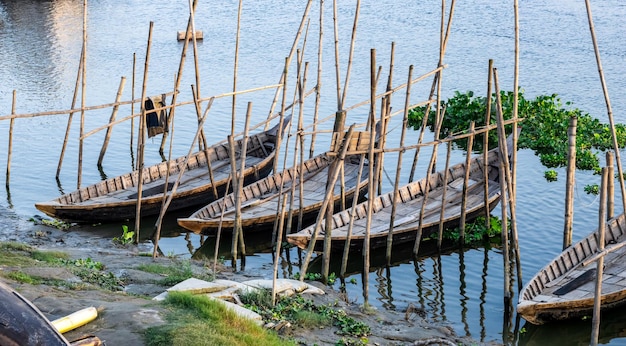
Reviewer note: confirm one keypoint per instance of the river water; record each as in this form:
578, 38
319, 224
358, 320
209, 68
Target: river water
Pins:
40, 44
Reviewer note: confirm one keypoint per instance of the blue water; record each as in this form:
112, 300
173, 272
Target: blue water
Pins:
40, 44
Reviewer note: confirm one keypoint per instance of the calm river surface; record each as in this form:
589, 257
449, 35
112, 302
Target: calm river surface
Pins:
40, 44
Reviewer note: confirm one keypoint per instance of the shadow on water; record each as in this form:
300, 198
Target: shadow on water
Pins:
576, 332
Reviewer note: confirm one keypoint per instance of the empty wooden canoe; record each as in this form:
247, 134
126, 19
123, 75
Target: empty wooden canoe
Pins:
260, 200
115, 199
565, 288
409, 205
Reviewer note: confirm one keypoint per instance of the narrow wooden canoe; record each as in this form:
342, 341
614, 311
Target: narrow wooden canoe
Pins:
259, 200
411, 198
565, 288
115, 199
21, 323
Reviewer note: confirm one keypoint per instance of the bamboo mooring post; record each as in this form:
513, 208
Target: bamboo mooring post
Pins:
132, 106
595, 331
468, 161
405, 117
83, 98
142, 137
107, 136
569, 183
486, 147
442, 212
8, 175
610, 186
238, 239
355, 201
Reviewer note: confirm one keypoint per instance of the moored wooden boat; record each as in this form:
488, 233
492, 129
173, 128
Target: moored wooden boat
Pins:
565, 288
115, 199
411, 198
21, 322
259, 200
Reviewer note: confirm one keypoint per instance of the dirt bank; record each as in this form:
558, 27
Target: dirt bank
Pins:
123, 316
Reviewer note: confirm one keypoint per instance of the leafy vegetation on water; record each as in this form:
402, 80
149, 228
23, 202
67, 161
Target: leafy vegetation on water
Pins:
303, 312
198, 320
544, 127
476, 232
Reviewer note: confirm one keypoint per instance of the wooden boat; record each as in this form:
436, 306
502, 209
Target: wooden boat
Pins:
565, 288
21, 323
411, 198
115, 199
259, 200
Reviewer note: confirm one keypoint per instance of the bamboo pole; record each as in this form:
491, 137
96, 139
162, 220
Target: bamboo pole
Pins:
83, 97
570, 183
608, 104
179, 76
181, 171
346, 248
340, 120
442, 212
398, 169
327, 198
318, 86
486, 147
237, 229
107, 136
71, 114
132, 105
350, 55
468, 161
610, 186
141, 138
597, 301
11, 123
219, 227
204, 146
371, 178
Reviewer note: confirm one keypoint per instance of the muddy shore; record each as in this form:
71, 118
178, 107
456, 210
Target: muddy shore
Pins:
124, 316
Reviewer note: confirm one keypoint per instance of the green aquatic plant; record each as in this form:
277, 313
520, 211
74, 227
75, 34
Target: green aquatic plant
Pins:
544, 127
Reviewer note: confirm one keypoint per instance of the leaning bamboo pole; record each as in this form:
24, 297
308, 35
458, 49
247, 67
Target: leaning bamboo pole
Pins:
595, 322
142, 137
570, 183
350, 54
608, 104
179, 76
82, 98
318, 86
107, 136
11, 123
355, 201
204, 146
468, 161
71, 114
237, 229
172, 193
327, 198
132, 105
396, 192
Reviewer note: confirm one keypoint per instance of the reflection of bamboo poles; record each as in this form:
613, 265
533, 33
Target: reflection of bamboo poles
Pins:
398, 168
8, 176
595, 323
107, 136
142, 137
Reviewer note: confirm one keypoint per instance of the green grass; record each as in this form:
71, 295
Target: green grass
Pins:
172, 274
197, 320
